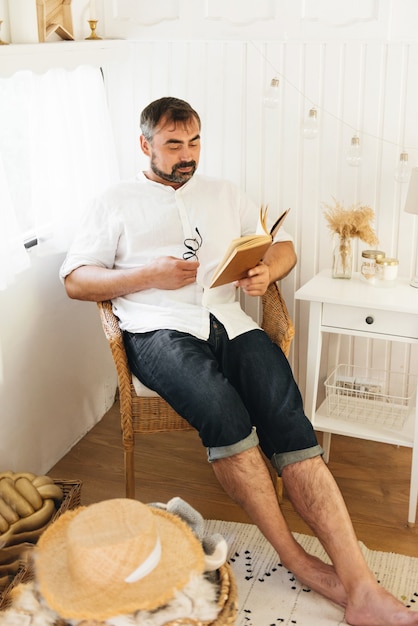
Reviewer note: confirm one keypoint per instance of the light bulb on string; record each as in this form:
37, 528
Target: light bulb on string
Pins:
402, 169
271, 95
310, 125
354, 152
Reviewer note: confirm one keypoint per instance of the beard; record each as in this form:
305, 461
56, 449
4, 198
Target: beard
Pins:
174, 176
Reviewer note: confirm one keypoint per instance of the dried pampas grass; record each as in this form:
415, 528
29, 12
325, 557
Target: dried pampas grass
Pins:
352, 222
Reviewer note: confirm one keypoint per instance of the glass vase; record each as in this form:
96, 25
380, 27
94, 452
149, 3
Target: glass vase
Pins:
342, 262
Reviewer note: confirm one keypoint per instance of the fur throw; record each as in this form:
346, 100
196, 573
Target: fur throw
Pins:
197, 601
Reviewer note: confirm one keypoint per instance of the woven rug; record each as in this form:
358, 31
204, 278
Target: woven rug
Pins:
269, 595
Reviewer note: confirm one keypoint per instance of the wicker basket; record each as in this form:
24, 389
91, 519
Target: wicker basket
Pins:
228, 600
71, 499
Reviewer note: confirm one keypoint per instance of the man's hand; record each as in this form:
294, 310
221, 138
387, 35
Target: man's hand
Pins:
279, 260
172, 273
257, 280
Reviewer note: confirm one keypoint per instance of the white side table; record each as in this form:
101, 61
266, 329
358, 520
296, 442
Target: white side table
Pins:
351, 307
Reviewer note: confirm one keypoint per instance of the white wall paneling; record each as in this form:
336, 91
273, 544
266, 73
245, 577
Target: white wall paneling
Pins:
249, 11
265, 20
144, 13
340, 14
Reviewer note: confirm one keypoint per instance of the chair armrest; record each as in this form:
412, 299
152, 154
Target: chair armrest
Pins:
113, 333
276, 319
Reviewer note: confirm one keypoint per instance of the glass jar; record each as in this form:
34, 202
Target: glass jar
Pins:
368, 264
386, 271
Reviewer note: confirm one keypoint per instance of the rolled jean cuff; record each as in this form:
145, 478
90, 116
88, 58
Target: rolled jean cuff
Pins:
222, 452
280, 460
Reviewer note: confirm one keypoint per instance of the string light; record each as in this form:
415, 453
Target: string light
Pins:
402, 169
354, 152
310, 125
329, 113
271, 95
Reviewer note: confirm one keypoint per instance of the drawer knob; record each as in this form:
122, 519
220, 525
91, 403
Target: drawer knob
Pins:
369, 319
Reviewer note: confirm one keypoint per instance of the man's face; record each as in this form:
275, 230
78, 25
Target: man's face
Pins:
174, 152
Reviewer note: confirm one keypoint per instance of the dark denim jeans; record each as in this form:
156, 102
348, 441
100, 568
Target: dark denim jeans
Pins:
236, 393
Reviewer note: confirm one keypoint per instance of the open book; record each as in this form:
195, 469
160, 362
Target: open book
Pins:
246, 252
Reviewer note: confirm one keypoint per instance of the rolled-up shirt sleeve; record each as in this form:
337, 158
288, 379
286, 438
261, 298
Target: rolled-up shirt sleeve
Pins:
95, 242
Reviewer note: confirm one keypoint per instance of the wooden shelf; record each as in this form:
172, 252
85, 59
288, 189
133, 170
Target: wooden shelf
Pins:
40, 57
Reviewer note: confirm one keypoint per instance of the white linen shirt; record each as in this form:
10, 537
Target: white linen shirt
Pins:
135, 222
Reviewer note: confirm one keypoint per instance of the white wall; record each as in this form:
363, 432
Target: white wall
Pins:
357, 62
56, 375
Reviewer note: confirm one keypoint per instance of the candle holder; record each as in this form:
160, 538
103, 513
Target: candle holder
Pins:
3, 43
93, 35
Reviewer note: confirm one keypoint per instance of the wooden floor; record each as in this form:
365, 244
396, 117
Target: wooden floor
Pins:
373, 477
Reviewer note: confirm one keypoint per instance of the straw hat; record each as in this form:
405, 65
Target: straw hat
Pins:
113, 558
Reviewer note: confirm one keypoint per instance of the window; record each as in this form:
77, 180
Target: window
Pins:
56, 153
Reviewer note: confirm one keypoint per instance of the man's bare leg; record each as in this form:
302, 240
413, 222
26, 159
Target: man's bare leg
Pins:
246, 479
318, 500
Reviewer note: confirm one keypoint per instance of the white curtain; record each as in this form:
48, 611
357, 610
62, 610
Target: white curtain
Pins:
13, 256
60, 154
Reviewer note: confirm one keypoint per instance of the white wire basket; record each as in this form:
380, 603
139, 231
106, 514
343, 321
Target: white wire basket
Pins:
370, 396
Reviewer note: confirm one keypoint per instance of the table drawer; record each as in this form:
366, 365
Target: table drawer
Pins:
370, 320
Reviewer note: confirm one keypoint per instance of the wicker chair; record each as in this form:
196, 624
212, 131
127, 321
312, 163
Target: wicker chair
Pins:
148, 412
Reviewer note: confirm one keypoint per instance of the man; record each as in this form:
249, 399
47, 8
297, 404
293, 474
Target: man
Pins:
151, 246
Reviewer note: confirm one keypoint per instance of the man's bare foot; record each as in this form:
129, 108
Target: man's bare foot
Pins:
320, 577
374, 606
369, 605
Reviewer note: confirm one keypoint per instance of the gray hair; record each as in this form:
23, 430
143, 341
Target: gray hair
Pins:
170, 110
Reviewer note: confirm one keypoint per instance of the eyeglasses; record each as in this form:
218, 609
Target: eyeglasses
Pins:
192, 246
